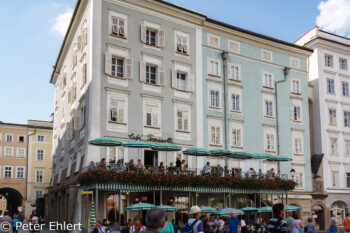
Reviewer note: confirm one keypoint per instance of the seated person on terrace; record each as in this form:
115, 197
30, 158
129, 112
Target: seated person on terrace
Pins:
183, 165
139, 165
119, 165
131, 166
260, 174
92, 166
220, 170
207, 169
251, 172
161, 167
271, 173
171, 168
278, 175
102, 164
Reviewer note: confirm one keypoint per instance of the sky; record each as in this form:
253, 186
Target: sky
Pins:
33, 31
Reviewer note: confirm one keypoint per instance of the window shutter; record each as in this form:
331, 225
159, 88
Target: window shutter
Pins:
173, 78
128, 63
185, 48
191, 82
85, 37
108, 63
121, 31
82, 116
121, 111
161, 75
69, 95
185, 117
79, 43
179, 47
69, 134
155, 116
84, 72
77, 120
142, 71
161, 40
143, 33
114, 114
74, 92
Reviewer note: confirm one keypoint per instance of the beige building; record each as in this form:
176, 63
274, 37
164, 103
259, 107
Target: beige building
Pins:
39, 161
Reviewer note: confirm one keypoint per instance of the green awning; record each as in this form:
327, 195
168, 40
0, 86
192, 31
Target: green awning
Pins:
140, 206
105, 142
138, 144
249, 209
207, 209
291, 208
227, 212
240, 155
262, 156
167, 147
265, 209
167, 208
220, 153
279, 158
195, 151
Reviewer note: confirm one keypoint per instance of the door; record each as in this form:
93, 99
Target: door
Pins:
151, 159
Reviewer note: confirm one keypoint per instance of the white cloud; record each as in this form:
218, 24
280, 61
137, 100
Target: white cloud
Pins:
62, 22
334, 16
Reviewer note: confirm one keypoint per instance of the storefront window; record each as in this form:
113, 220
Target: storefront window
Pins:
216, 202
181, 202
243, 201
112, 207
338, 210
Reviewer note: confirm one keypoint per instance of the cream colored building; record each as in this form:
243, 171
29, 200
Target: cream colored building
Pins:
39, 161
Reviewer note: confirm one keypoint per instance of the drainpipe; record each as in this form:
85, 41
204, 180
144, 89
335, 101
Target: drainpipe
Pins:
28, 159
285, 72
225, 101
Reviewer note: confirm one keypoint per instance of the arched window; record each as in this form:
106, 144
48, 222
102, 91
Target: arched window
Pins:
338, 210
216, 202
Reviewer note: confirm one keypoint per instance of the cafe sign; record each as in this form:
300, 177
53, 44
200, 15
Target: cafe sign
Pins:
150, 138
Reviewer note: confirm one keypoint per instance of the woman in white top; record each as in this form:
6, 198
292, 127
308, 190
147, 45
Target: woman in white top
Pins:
296, 224
137, 227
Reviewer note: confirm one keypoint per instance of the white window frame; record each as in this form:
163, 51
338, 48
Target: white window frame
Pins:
212, 72
332, 113
341, 60
346, 118
267, 83
236, 134
298, 146
41, 136
117, 109
0, 151
333, 146
295, 86
182, 36
297, 115
217, 139
295, 62
36, 176
183, 120
269, 58
11, 172
36, 194
37, 155
17, 152
0, 137
215, 100
328, 59
12, 151
269, 108
335, 179
8, 135
345, 88
299, 180
155, 114
122, 17
270, 140
236, 105
330, 86
217, 38
233, 70
347, 147
24, 138
235, 48
17, 170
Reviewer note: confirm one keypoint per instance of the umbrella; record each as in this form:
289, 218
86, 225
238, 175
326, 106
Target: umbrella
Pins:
195, 151
167, 147
167, 208
279, 158
227, 212
291, 208
105, 142
265, 209
140, 206
207, 209
92, 215
262, 156
138, 144
249, 209
220, 153
240, 155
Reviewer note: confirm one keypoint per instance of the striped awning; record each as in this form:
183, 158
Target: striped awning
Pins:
145, 188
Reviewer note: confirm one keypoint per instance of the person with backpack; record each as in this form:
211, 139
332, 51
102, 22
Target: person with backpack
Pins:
297, 226
194, 225
277, 224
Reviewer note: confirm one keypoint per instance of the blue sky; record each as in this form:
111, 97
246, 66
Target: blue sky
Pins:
33, 31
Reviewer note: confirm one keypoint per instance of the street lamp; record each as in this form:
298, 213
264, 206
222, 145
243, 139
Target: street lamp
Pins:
292, 173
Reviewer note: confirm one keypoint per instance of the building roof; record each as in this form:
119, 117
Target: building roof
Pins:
184, 9
27, 125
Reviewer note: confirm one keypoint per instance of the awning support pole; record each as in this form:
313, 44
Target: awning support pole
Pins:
154, 197
96, 203
196, 197
120, 208
189, 201
229, 200
161, 197
225, 200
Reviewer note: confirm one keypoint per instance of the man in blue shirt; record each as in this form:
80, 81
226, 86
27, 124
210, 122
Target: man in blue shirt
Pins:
233, 224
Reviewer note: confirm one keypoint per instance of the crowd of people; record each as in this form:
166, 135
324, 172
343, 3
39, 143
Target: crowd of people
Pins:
9, 221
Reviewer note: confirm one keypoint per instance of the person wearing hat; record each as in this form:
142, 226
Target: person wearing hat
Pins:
194, 221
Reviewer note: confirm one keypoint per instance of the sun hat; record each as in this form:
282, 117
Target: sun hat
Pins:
195, 209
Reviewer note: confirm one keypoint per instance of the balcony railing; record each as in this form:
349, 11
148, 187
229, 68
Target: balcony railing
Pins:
318, 186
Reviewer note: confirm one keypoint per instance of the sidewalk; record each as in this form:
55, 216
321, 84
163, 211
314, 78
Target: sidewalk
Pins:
45, 230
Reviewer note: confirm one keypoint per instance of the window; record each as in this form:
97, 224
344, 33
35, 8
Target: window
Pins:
236, 138
40, 155
39, 176
9, 137
347, 147
294, 62
233, 46
234, 72
330, 86
182, 44
213, 68
235, 102
20, 172
151, 37
296, 113
182, 120
152, 115
335, 178
214, 98
151, 74
332, 117
346, 119
21, 152
7, 172
0, 152
299, 178
38, 194
268, 108
296, 86
343, 64
117, 69
348, 180
270, 142
0, 137
21, 139
181, 81
345, 87
117, 110
40, 138
8, 151
298, 148
267, 80
328, 59
266, 55
213, 40
118, 26
215, 135
334, 146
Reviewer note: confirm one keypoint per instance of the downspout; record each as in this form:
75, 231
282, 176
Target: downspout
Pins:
28, 158
285, 72
225, 101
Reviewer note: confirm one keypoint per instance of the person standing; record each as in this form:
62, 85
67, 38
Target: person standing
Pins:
234, 225
218, 224
137, 227
98, 228
333, 218
113, 227
244, 228
333, 227
311, 228
178, 163
277, 224
207, 169
289, 221
347, 223
194, 223
168, 226
296, 224
155, 219
15, 220
206, 224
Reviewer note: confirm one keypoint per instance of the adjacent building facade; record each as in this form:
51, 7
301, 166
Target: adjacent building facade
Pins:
329, 76
153, 71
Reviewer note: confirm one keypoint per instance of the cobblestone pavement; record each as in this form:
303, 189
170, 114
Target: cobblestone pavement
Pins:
45, 230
